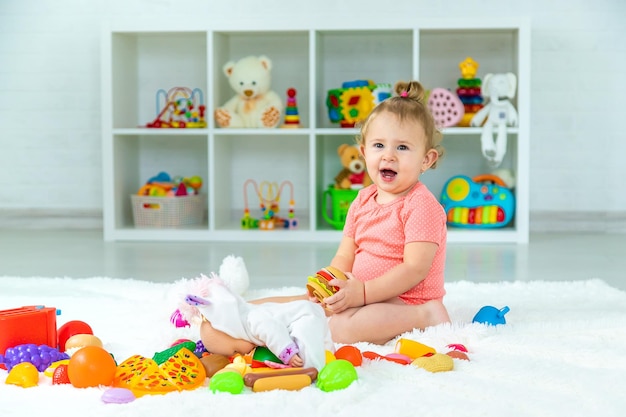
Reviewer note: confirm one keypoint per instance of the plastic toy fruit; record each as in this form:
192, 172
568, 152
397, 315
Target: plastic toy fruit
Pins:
23, 375
351, 354
231, 382
41, 356
69, 329
261, 355
336, 375
91, 366
49, 372
60, 375
163, 356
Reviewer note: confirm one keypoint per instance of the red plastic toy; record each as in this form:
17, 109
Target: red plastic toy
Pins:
28, 324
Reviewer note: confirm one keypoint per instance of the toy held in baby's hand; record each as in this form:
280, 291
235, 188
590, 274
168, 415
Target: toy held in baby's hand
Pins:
255, 105
318, 286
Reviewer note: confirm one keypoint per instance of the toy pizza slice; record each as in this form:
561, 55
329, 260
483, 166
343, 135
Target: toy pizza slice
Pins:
318, 286
184, 369
129, 372
153, 382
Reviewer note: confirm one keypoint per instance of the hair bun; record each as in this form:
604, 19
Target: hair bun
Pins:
412, 90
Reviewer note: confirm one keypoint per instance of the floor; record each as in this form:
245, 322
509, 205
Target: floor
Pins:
83, 253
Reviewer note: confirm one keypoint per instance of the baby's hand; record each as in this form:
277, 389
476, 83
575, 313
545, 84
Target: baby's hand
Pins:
296, 361
350, 294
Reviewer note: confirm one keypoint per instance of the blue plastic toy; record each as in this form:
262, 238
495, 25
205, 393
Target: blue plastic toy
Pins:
491, 315
480, 202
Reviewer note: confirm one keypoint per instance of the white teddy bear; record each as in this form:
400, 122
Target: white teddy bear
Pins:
255, 104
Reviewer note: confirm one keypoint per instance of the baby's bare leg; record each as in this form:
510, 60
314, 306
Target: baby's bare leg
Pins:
280, 299
379, 323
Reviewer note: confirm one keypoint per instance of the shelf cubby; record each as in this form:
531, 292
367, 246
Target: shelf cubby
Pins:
140, 58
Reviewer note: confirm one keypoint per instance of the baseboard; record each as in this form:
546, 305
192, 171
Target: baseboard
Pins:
50, 219
578, 221
540, 221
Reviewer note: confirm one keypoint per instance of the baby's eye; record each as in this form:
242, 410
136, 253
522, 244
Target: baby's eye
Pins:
402, 147
377, 145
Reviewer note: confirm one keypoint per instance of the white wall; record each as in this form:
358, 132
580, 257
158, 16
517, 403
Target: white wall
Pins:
50, 155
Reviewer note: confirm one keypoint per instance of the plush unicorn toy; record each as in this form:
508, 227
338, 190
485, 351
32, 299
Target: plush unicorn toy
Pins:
296, 327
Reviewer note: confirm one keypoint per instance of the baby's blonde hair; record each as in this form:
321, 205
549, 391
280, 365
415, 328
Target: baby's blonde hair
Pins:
408, 104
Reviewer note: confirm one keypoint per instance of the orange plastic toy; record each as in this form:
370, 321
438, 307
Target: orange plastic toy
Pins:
29, 324
91, 366
350, 353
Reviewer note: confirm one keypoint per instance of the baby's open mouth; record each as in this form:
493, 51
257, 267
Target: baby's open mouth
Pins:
387, 173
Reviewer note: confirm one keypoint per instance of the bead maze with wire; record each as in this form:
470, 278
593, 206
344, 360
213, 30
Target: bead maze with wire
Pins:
180, 107
269, 194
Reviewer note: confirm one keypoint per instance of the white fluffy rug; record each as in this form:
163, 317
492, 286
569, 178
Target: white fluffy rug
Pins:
561, 353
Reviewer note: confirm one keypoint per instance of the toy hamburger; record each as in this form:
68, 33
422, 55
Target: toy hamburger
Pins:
318, 286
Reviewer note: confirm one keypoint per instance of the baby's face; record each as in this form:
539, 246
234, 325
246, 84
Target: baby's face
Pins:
220, 343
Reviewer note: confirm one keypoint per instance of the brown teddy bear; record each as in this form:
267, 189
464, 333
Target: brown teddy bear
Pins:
353, 174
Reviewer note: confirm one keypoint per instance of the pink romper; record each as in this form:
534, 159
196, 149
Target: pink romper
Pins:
381, 231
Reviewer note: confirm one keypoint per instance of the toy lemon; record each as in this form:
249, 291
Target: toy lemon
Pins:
49, 372
23, 375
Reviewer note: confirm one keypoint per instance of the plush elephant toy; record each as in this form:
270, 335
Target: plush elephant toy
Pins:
499, 113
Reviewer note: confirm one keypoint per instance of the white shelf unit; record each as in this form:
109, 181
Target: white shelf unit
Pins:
138, 59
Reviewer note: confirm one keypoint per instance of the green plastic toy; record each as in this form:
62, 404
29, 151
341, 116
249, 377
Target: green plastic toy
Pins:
336, 375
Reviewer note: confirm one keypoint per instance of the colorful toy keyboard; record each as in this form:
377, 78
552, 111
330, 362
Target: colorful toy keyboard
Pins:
480, 202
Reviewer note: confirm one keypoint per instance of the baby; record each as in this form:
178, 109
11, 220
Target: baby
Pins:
296, 332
